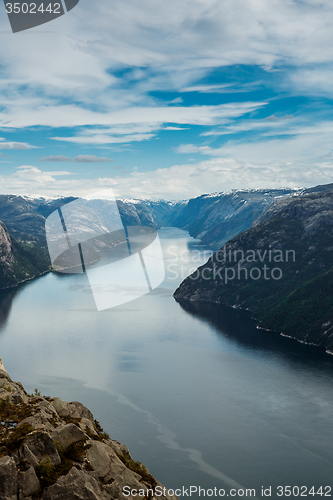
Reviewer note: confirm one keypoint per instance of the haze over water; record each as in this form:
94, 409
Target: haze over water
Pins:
200, 398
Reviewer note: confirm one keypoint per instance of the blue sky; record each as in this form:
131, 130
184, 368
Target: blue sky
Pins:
168, 99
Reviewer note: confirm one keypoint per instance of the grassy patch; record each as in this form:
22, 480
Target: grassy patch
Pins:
15, 438
16, 413
48, 473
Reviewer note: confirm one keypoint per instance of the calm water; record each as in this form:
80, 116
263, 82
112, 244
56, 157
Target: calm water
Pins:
200, 398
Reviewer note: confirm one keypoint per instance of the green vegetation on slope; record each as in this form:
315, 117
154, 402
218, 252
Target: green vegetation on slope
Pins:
300, 303
308, 309
29, 260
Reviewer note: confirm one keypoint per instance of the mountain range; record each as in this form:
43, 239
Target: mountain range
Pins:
281, 269
214, 218
211, 217
218, 217
283, 235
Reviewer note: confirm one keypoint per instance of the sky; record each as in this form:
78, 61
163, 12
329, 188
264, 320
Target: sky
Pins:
170, 100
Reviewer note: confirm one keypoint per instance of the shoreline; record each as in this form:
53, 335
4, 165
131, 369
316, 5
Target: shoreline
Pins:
24, 281
258, 327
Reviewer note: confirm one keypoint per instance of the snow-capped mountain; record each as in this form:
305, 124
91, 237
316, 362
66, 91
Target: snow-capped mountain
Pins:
218, 217
214, 218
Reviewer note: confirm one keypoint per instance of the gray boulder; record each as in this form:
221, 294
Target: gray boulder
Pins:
61, 407
77, 485
8, 478
28, 483
37, 447
73, 409
78, 410
68, 434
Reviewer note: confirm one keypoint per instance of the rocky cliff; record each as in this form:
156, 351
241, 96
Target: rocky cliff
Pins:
6, 255
20, 262
217, 218
281, 269
20, 217
212, 218
54, 450
25, 216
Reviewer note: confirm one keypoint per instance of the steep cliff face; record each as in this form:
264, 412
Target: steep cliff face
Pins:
20, 217
20, 261
219, 217
54, 450
6, 255
281, 269
25, 216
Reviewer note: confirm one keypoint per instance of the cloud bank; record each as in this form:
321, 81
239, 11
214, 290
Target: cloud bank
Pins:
123, 73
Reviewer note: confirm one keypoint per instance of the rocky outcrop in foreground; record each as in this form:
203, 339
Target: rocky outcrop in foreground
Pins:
53, 450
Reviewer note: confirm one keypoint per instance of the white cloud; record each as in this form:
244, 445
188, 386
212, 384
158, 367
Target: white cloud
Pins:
99, 139
271, 124
177, 182
73, 116
34, 174
175, 128
138, 119
221, 174
289, 140
314, 80
14, 145
168, 45
215, 89
71, 76
28, 179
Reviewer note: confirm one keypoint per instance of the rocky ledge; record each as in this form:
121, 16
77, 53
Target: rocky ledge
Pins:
54, 450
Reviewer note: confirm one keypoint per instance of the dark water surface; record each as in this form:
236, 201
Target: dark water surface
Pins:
202, 398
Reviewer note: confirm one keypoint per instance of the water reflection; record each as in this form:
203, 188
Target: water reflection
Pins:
238, 326
6, 301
